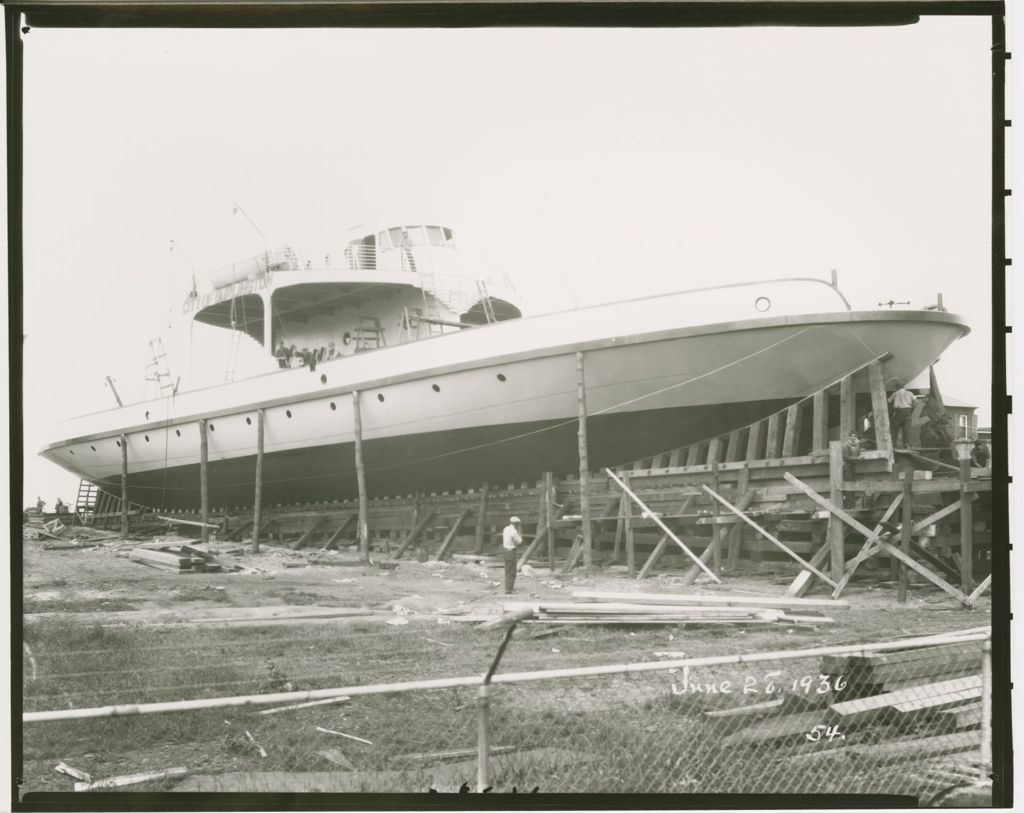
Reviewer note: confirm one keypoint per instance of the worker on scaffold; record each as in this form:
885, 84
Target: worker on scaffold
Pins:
902, 401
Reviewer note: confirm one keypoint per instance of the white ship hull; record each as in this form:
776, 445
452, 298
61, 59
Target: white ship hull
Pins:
495, 403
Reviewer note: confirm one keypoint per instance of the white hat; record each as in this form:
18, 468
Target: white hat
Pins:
515, 519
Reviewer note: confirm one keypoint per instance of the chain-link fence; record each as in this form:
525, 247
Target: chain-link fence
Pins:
908, 717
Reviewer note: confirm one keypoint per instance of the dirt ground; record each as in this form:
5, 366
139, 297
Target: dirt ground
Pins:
102, 629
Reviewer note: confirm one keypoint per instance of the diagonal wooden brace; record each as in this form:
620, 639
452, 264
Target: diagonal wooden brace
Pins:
892, 550
781, 546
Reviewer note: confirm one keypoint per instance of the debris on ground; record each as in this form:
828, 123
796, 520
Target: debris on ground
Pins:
343, 734
129, 779
74, 773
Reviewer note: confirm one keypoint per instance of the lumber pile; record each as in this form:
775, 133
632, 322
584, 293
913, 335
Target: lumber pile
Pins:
654, 608
176, 558
874, 673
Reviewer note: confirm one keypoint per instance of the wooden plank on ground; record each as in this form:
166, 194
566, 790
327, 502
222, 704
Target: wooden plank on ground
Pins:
914, 750
865, 708
684, 599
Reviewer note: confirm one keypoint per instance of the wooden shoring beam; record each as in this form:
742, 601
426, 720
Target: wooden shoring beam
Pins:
836, 536
318, 523
626, 508
659, 461
819, 417
663, 542
364, 530
549, 515
791, 438
732, 449
124, 484
481, 519
581, 399
693, 454
204, 482
428, 514
257, 499
734, 536
574, 554
447, 543
868, 549
949, 570
547, 532
648, 514
673, 458
880, 410
952, 508
236, 533
772, 444
847, 407
620, 530
344, 526
690, 576
754, 437
966, 529
780, 545
931, 460
714, 446
979, 590
903, 582
716, 530
892, 550
804, 579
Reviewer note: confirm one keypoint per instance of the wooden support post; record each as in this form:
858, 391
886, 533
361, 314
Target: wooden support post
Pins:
836, 532
450, 538
693, 455
364, 531
819, 433
754, 440
966, 528
620, 530
549, 516
713, 449
257, 504
880, 410
734, 536
716, 529
627, 522
847, 407
481, 519
581, 397
124, 485
673, 458
732, 450
771, 448
903, 580
204, 484
792, 435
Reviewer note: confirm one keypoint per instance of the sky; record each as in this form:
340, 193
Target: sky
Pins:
589, 165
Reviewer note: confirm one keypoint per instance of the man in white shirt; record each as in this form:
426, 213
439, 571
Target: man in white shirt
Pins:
511, 538
902, 409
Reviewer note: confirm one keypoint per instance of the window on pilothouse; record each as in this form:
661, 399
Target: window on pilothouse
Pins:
435, 236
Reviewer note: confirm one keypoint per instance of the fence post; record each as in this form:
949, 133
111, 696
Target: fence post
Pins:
483, 703
986, 710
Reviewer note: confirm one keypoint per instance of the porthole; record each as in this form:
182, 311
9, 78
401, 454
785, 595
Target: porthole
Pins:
93, 448
147, 438
334, 406
288, 412
762, 303
118, 443
501, 377
435, 388
248, 421
211, 427
147, 414
177, 432
380, 397
71, 451
323, 379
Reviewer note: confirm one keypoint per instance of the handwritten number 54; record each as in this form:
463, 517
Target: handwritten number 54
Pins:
830, 732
